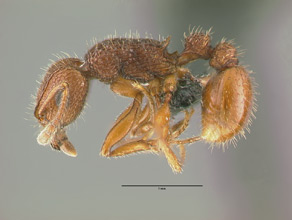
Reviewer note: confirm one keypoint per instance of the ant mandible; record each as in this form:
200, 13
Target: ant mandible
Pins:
144, 69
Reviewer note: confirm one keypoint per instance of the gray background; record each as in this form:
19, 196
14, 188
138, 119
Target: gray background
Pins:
251, 181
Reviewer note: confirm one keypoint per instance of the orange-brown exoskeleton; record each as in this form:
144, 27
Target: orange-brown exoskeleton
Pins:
144, 70
59, 101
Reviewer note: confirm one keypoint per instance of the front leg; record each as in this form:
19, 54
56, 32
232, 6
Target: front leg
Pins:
140, 146
129, 120
122, 127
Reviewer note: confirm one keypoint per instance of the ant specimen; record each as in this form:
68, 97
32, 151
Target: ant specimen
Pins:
143, 69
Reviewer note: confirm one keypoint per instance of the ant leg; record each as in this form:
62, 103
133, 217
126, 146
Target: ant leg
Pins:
50, 129
154, 90
161, 121
177, 130
143, 119
124, 87
152, 105
128, 148
182, 153
179, 127
161, 127
145, 122
161, 124
129, 117
147, 128
134, 147
187, 141
122, 126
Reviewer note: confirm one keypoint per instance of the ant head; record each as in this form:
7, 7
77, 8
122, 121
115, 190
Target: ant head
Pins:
62, 93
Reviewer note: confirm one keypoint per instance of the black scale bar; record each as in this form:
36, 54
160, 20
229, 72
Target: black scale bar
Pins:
162, 185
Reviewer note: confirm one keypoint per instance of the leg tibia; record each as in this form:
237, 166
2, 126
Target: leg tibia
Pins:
122, 127
179, 127
133, 147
